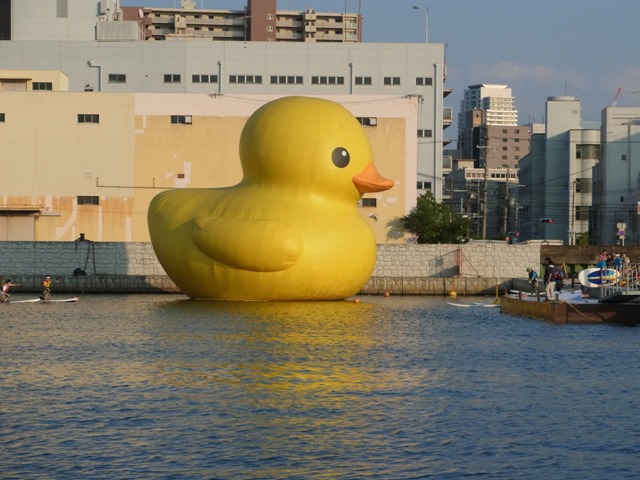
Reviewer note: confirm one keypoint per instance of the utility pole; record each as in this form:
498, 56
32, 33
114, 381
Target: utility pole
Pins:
572, 212
485, 194
485, 199
505, 219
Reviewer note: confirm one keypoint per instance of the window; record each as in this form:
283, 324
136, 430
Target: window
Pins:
363, 81
368, 121
425, 134
1, 117
582, 185
181, 120
171, 78
504, 149
204, 79
88, 118
422, 81
43, 86
424, 185
327, 80
504, 130
589, 152
369, 202
88, 200
269, 28
582, 212
286, 80
246, 79
391, 81
269, 16
117, 78
62, 9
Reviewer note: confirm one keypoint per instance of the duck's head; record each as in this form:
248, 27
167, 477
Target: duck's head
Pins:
312, 144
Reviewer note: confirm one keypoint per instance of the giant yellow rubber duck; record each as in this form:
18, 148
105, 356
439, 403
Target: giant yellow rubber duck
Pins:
290, 230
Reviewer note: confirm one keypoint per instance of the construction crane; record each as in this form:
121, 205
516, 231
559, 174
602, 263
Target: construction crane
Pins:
616, 98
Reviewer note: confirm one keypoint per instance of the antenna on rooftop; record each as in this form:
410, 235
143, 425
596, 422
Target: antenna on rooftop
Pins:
616, 98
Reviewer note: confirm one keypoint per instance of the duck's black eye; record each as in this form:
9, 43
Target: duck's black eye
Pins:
340, 157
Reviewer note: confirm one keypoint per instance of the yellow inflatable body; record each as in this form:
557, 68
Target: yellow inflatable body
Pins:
290, 230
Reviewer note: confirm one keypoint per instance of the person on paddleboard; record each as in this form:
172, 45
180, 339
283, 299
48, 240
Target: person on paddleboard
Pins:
46, 288
5, 293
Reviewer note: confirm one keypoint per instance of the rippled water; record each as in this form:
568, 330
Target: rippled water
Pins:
146, 387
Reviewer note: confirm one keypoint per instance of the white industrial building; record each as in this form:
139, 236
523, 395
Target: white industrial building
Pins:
616, 188
88, 42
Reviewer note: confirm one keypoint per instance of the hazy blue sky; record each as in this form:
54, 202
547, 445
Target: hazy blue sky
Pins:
540, 48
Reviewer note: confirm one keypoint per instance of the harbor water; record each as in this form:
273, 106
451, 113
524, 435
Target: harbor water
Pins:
162, 387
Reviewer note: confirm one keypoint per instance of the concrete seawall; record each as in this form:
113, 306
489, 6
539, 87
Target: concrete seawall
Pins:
104, 283
476, 268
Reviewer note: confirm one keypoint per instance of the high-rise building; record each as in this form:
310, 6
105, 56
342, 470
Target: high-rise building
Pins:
488, 128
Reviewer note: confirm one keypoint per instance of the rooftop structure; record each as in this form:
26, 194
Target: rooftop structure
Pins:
258, 21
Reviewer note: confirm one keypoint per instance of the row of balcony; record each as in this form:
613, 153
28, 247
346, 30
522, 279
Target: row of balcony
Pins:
188, 21
239, 34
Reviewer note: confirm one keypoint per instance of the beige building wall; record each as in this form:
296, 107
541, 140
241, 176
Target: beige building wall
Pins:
49, 159
22, 80
60, 177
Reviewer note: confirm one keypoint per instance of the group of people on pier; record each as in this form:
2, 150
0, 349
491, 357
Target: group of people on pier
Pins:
553, 279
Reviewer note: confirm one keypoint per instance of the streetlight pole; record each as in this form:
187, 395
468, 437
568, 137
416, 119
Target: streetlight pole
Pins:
426, 22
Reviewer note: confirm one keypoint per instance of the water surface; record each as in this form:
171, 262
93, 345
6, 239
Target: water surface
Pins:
158, 386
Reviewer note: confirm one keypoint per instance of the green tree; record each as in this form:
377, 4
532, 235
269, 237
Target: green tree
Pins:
582, 238
433, 222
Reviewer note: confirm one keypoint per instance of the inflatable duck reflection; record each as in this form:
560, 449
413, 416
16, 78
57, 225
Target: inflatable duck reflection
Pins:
290, 230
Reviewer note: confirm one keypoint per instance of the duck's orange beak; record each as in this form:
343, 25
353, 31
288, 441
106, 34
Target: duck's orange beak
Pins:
369, 181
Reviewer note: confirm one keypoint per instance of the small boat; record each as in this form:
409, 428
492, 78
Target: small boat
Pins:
473, 304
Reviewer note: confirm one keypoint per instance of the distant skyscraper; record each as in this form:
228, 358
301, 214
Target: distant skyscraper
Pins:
496, 100
488, 126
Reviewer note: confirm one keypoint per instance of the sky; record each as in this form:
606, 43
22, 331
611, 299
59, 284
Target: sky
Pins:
539, 48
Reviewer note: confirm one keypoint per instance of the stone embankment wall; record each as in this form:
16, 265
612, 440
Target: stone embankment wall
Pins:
109, 267
473, 268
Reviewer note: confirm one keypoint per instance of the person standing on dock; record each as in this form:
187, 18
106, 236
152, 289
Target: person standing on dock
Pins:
601, 260
533, 281
550, 280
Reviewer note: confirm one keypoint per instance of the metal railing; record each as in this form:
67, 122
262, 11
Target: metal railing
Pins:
627, 284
